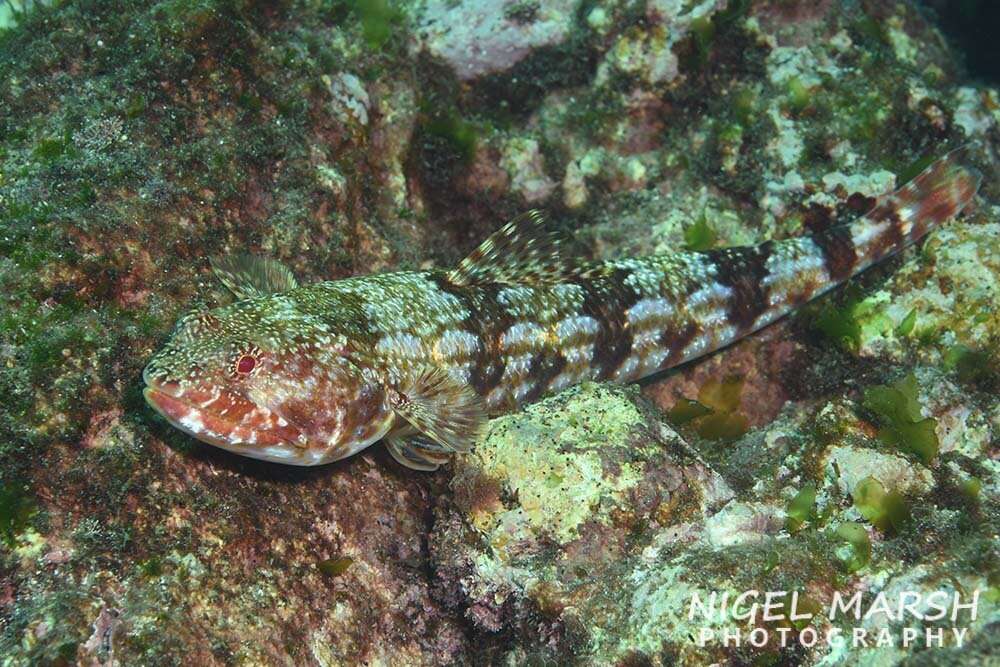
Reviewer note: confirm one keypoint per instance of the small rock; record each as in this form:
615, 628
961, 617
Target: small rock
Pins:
350, 99
549, 501
739, 523
478, 37
525, 166
849, 465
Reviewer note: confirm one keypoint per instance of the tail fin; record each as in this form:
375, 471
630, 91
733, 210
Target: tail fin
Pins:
903, 217
680, 306
799, 269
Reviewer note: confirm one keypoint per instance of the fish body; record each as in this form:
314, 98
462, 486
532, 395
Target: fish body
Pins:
309, 374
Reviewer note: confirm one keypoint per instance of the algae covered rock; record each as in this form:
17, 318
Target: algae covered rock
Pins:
852, 465
479, 37
553, 509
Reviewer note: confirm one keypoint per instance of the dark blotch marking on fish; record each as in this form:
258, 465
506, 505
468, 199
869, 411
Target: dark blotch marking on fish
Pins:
676, 340
543, 369
893, 237
488, 320
607, 299
839, 253
817, 218
743, 270
860, 204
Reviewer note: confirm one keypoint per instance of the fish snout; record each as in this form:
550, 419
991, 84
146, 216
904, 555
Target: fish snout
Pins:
229, 420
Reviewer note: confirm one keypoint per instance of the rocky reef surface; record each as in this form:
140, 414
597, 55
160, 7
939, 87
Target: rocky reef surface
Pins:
850, 448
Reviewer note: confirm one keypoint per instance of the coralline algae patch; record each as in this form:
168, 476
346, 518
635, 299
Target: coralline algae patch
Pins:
951, 291
558, 497
557, 491
582, 461
586, 572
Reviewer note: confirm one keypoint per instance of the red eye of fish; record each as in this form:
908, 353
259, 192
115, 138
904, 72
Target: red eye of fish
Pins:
246, 364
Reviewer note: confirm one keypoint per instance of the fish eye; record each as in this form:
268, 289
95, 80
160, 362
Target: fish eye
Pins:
245, 361
246, 364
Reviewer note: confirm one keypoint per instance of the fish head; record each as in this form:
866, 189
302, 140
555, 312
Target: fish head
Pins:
261, 380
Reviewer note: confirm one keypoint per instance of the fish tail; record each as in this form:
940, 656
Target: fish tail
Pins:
805, 267
901, 218
729, 292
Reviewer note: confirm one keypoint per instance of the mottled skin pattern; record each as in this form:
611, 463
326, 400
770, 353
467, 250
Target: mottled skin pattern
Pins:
306, 375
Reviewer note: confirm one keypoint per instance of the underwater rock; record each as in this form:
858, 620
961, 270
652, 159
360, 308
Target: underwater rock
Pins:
478, 37
853, 464
553, 508
738, 523
525, 167
652, 54
351, 101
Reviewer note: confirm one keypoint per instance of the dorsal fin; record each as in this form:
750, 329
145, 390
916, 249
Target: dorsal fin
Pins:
248, 276
520, 252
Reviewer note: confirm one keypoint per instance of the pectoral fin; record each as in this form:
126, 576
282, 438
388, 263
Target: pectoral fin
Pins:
446, 412
247, 276
412, 452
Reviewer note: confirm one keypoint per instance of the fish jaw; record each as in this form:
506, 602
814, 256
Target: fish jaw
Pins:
252, 432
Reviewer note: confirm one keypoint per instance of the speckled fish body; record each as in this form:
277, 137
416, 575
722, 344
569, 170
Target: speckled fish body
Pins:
306, 375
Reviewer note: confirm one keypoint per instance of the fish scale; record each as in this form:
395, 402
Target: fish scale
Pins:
421, 358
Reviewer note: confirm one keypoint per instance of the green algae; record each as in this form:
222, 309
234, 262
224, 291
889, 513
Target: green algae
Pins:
49, 150
686, 410
839, 318
886, 510
801, 508
522, 11
708, 30
715, 415
460, 135
969, 365
972, 487
13, 12
910, 171
799, 96
906, 327
903, 425
856, 553
700, 235
16, 511
334, 567
379, 20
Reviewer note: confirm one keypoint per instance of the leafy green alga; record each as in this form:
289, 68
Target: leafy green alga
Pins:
700, 236
856, 552
715, 414
800, 508
886, 510
901, 423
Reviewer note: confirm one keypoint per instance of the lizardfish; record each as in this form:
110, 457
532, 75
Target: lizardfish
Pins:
421, 359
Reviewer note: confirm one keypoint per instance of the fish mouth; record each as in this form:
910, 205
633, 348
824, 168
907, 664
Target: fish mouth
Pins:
256, 434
